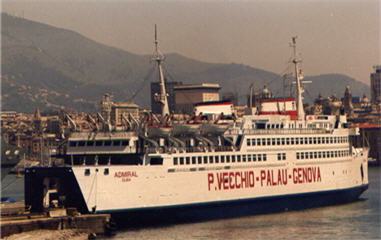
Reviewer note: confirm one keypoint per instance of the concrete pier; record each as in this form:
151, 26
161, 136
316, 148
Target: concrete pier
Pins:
24, 222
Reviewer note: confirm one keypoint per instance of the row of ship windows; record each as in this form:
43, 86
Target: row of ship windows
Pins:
277, 126
325, 154
99, 143
219, 159
294, 141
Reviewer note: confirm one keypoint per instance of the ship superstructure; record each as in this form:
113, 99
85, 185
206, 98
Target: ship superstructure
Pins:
276, 159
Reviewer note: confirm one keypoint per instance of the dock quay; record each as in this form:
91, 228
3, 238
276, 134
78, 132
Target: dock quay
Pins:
15, 220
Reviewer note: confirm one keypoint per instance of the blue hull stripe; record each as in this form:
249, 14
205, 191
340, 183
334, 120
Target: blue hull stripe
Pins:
234, 208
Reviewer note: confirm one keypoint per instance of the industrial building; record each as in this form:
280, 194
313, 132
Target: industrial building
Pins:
187, 95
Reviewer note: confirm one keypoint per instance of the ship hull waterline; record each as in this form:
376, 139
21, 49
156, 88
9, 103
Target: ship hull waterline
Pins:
234, 208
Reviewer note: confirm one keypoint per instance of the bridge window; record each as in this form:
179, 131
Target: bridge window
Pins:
125, 142
72, 143
108, 143
98, 143
81, 143
156, 161
116, 143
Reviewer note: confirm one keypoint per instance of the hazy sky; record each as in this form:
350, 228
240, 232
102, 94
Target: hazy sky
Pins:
339, 36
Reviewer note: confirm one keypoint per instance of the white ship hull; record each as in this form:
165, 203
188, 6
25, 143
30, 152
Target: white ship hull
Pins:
136, 187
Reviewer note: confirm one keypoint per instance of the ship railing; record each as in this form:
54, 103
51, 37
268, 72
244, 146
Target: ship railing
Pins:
276, 131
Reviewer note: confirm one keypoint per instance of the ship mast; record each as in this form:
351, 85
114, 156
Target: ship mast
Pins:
162, 97
298, 78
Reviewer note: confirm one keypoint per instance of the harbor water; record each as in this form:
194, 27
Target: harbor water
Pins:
358, 220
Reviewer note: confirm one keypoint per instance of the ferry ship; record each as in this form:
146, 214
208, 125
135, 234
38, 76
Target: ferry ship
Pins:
276, 158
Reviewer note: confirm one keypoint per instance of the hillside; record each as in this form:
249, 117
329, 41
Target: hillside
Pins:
54, 68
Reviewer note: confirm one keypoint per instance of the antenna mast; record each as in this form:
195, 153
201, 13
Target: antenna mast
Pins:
298, 78
161, 97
